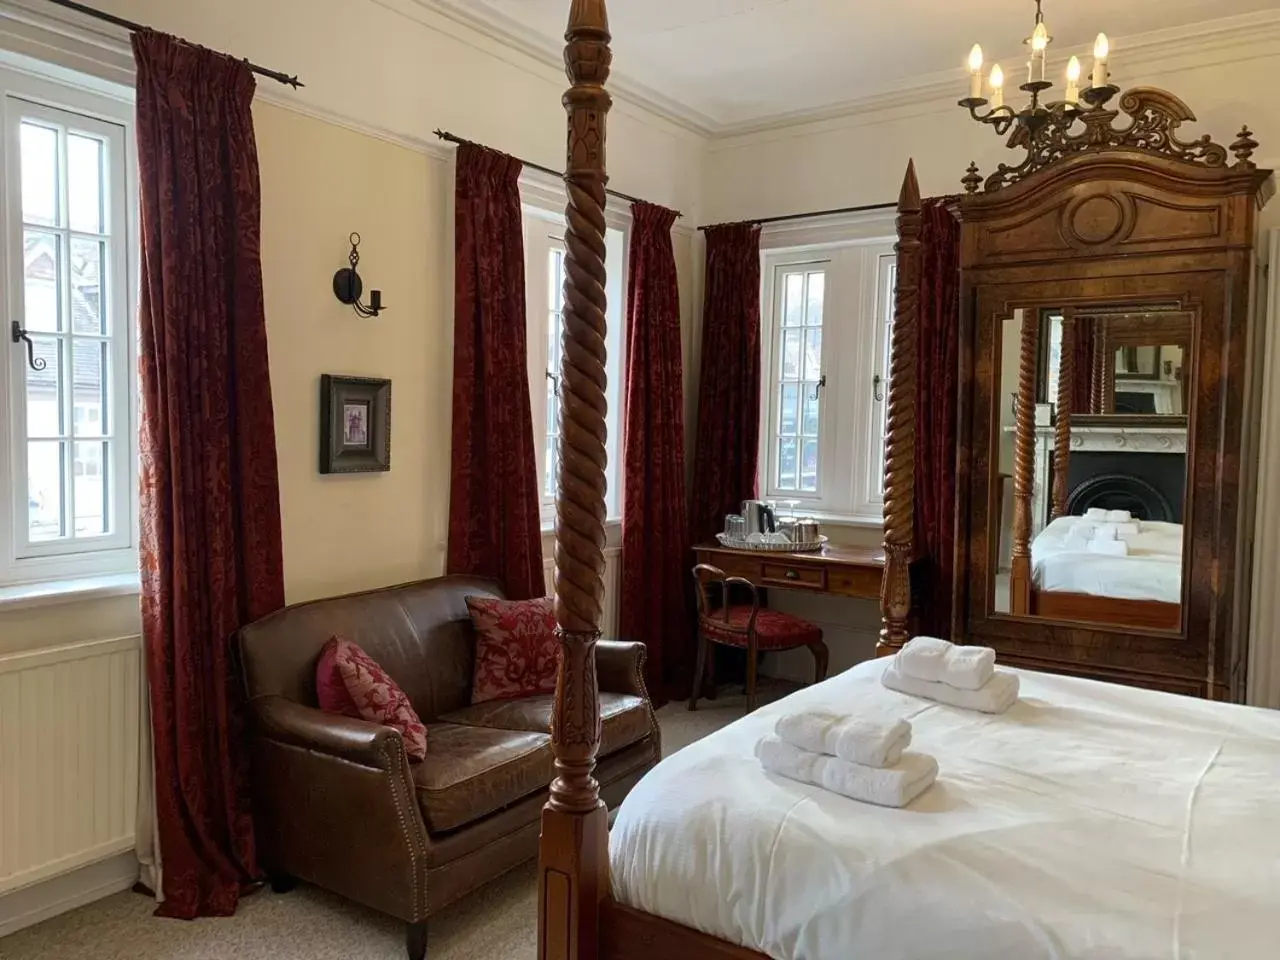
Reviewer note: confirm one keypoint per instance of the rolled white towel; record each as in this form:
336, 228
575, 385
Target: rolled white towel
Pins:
1075, 541
1095, 513
1105, 531
870, 742
929, 658
1086, 528
894, 786
1109, 548
996, 696
1118, 516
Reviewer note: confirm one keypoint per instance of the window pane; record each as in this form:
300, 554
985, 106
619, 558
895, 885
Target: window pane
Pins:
813, 354
811, 401
791, 354
44, 390
555, 280
817, 290
41, 281
787, 464
809, 467
793, 308
84, 183
39, 174
90, 471
553, 468
789, 409
44, 490
88, 260
89, 387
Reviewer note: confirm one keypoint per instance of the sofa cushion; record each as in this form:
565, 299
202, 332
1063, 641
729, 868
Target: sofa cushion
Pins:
473, 771
376, 696
516, 648
626, 718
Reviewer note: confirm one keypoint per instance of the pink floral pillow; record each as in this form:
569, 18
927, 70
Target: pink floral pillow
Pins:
516, 649
372, 694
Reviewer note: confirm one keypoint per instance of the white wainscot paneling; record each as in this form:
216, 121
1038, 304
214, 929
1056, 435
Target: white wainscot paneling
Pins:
850, 629
69, 746
612, 587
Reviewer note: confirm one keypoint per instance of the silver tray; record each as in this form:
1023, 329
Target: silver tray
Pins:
788, 547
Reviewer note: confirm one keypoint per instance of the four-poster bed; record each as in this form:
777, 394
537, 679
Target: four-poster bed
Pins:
689, 836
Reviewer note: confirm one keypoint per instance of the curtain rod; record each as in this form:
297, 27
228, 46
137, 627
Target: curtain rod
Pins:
135, 27
451, 138
762, 221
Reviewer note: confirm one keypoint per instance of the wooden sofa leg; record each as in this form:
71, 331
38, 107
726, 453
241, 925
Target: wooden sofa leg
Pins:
416, 940
281, 882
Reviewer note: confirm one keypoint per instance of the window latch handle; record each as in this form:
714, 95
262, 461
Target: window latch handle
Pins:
877, 388
822, 382
17, 334
555, 380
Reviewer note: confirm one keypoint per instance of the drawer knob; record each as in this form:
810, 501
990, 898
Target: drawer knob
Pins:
793, 575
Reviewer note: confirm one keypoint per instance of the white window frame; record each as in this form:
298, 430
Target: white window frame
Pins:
544, 226
857, 255
112, 120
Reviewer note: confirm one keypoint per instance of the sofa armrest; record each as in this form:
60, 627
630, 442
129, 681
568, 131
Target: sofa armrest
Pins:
359, 741
620, 667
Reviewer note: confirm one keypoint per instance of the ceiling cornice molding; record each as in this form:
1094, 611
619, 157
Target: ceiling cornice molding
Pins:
538, 48
1199, 44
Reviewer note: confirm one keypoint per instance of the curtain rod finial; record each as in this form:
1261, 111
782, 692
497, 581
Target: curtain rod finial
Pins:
909, 198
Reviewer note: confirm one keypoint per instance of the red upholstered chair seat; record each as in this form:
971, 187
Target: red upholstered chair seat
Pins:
774, 630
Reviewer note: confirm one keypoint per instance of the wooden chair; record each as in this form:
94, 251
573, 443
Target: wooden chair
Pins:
749, 627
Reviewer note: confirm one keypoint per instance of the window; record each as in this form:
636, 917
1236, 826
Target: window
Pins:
544, 281
70, 425
828, 311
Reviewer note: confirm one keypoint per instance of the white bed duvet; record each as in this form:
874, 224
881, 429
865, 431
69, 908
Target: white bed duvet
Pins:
1091, 821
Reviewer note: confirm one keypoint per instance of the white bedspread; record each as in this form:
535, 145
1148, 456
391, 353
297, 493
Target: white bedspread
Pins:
1090, 821
1152, 571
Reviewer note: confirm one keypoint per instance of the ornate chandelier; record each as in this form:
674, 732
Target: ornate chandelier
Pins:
1036, 114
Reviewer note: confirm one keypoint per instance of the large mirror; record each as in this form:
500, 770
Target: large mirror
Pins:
1091, 463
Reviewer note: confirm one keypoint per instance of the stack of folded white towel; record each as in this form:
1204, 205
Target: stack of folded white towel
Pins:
1102, 531
865, 759
963, 677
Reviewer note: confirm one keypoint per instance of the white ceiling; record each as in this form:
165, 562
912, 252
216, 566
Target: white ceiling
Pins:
736, 63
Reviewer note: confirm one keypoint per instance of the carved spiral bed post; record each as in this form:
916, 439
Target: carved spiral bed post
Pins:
573, 870
900, 442
1024, 465
1062, 415
1099, 380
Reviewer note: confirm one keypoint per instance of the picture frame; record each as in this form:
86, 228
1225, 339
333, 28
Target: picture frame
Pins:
355, 424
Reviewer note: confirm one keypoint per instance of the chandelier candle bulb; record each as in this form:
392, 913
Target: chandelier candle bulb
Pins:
1039, 41
1073, 80
1101, 50
975, 73
997, 86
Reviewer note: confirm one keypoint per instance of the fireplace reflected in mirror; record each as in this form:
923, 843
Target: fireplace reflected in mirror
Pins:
1092, 463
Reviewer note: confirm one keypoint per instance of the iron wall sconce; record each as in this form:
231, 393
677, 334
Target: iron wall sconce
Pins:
347, 285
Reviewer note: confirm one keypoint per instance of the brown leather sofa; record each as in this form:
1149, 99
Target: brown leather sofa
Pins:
339, 805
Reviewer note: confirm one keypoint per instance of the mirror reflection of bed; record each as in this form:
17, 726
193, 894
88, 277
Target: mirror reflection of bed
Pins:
1093, 471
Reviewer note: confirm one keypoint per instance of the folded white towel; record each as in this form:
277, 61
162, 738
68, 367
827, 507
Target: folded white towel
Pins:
929, 658
894, 786
870, 742
1109, 548
1095, 513
1104, 531
1076, 541
996, 696
1130, 529
1118, 516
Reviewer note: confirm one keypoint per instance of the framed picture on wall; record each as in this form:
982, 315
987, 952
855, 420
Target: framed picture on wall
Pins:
355, 424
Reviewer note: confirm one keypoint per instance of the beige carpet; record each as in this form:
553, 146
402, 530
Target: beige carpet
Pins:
496, 923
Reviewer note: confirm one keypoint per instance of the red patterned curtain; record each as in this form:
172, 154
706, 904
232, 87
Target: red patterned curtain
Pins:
494, 523
211, 550
936, 424
728, 447
654, 524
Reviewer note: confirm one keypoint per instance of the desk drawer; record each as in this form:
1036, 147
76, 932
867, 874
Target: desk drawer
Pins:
797, 576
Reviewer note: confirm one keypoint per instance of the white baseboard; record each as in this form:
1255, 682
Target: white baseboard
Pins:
40, 901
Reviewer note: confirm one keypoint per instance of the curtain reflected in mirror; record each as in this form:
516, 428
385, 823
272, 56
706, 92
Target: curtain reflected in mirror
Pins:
1091, 463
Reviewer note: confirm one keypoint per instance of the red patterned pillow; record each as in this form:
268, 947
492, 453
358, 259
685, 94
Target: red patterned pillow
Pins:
331, 691
516, 648
373, 694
